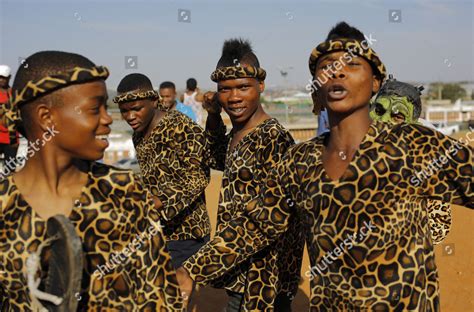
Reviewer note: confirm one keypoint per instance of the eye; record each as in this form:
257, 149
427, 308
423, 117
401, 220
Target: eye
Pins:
398, 117
379, 110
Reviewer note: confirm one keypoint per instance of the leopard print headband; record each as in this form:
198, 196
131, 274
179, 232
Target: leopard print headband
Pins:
36, 88
142, 95
239, 71
136, 95
344, 44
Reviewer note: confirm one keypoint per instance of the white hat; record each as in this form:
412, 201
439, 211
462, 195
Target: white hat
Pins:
5, 71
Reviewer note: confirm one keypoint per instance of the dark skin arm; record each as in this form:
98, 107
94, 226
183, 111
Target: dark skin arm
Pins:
157, 201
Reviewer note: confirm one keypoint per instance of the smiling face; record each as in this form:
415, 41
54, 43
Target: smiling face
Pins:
138, 114
168, 96
240, 98
392, 109
347, 89
82, 121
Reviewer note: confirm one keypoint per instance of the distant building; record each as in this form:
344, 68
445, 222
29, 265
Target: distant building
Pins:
439, 103
120, 147
296, 98
302, 132
440, 112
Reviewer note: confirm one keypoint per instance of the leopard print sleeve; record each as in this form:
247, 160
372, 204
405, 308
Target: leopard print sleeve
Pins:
191, 178
274, 148
265, 219
439, 219
443, 166
218, 142
3, 245
276, 270
156, 283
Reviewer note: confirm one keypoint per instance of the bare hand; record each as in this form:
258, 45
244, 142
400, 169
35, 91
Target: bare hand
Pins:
211, 104
157, 201
186, 284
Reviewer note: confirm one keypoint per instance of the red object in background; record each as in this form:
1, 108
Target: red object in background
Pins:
4, 96
4, 136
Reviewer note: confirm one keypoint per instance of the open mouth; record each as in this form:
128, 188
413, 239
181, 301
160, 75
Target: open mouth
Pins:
237, 110
134, 125
104, 138
337, 92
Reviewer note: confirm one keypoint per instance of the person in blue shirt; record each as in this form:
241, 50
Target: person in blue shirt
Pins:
323, 123
168, 94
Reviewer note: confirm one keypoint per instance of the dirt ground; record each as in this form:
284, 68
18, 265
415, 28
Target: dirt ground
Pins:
454, 258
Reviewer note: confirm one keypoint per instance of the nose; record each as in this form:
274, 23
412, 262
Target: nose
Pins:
106, 118
338, 75
234, 95
129, 116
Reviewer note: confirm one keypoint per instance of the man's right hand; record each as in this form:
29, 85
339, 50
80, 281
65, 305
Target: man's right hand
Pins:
211, 104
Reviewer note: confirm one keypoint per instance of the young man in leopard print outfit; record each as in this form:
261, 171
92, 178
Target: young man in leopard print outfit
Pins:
173, 154
255, 145
61, 98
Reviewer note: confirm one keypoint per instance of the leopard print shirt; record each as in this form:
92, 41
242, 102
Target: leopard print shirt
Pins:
368, 236
275, 269
174, 165
114, 213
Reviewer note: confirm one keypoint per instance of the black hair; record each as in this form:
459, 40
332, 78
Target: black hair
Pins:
344, 30
46, 63
167, 85
237, 50
191, 84
40, 65
133, 82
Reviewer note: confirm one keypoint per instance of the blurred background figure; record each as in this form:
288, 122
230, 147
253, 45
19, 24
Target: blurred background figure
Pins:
193, 98
168, 93
323, 122
8, 147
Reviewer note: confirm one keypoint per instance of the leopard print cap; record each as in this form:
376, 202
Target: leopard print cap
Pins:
346, 44
239, 71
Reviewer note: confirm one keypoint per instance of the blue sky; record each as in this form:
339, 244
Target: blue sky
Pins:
433, 41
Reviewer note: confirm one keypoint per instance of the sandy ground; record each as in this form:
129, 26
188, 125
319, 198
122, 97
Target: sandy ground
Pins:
454, 258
